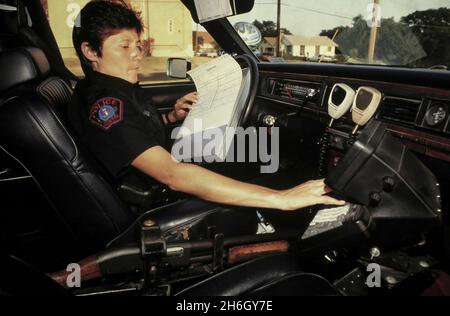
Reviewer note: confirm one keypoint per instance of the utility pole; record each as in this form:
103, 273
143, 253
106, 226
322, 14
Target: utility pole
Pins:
335, 34
278, 28
373, 30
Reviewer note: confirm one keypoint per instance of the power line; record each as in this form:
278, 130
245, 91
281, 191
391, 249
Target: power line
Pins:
305, 9
297, 8
317, 11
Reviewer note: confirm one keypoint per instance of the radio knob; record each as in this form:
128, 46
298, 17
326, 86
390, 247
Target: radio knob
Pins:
388, 184
311, 93
375, 199
269, 120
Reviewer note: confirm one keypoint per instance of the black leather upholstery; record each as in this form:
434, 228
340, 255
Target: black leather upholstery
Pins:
33, 134
17, 278
56, 91
20, 66
8, 30
274, 275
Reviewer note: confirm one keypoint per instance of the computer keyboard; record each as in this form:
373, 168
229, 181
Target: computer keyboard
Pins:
327, 219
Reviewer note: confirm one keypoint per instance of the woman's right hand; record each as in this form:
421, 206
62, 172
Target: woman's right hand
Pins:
306, 194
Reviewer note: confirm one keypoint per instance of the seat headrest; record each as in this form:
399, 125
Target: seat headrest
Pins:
21, 65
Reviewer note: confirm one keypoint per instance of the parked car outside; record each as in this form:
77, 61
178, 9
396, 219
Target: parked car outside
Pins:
321, 58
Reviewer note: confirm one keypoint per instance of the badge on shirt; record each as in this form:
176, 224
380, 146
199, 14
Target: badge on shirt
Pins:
106, 112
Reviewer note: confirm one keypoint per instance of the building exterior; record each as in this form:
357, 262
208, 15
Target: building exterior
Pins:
268, 46
302, 46
168, 25
203, 43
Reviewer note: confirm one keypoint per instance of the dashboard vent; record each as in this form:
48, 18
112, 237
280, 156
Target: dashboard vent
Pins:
400, 110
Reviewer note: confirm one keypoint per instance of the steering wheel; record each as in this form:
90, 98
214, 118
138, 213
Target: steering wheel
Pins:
250, 88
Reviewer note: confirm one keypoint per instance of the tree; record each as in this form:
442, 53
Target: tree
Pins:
330, 33
396, 44
285, 31
432, 28
269, 28
419, 39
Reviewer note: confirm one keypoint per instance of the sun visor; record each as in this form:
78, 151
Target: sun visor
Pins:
203, 11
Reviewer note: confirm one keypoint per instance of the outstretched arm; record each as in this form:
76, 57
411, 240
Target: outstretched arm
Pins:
189, 178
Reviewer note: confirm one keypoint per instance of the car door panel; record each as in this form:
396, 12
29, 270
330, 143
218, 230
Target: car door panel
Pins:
164, 96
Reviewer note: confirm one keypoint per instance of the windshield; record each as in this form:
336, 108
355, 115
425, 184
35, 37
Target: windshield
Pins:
408, 33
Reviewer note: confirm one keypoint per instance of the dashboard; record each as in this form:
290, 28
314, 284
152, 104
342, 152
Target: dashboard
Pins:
419, 115
427, 112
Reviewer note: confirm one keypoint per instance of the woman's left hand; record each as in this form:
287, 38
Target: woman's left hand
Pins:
183, 106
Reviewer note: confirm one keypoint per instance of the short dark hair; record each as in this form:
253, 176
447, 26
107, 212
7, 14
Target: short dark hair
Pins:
97, 21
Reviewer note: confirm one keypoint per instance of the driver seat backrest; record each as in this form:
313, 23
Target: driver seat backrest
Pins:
32, 132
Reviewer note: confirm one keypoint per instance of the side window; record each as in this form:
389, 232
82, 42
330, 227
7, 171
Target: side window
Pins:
169, 32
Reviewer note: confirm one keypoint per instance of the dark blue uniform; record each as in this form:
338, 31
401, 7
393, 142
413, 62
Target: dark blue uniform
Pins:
115, 120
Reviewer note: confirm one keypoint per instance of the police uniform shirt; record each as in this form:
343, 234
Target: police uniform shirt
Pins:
115, 120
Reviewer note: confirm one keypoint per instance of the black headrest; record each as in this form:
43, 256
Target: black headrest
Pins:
21, 65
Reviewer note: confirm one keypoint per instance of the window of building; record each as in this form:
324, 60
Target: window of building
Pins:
302, 50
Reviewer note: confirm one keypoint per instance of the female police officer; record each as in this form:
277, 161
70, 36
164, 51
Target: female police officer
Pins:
121, 128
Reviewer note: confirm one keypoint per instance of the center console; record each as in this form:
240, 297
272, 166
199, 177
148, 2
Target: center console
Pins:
393, 197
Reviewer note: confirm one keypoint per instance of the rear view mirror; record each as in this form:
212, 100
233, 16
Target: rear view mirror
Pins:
178, 68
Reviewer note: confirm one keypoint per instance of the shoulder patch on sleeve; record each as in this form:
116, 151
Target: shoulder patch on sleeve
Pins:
106, 112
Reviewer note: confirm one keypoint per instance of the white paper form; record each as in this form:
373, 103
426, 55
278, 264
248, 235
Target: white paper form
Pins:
208, 10
218, 85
